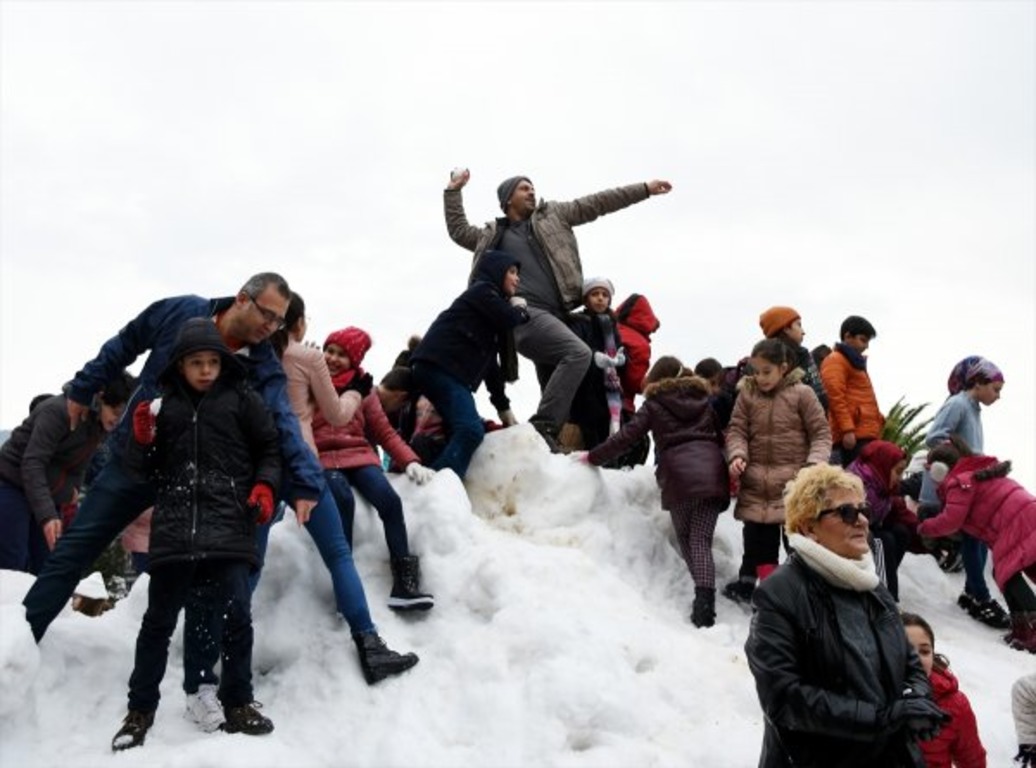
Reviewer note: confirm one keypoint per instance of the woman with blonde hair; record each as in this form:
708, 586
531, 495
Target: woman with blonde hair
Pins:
837, 678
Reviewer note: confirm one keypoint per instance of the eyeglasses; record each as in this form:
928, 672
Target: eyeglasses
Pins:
269, 316
848, 512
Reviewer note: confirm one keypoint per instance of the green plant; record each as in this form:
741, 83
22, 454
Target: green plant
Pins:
903, 428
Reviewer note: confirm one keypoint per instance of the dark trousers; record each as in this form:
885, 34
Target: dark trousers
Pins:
456, 405
974, 554
222, 587
371, 483
22, 545
762, 546
1018, 594
894, 541
115, 499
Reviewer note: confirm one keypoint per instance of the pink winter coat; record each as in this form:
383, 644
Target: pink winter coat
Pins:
310, 388
351, 446
997, 510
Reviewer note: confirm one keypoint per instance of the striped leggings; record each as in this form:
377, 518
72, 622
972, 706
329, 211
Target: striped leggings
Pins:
695, 523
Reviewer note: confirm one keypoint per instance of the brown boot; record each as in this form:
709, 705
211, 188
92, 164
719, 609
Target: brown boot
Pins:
1022, 636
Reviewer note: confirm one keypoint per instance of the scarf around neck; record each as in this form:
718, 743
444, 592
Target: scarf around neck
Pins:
856, 575
858, 361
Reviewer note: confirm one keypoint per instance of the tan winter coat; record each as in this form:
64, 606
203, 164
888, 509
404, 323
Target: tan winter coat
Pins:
552, 224
776, 433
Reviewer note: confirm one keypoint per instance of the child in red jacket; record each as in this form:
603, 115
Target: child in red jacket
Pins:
957, 743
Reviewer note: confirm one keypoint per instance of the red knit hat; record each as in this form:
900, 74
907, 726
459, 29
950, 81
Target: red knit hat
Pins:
355, 342
776, 319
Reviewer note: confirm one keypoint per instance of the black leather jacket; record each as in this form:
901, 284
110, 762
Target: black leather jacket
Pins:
814, 716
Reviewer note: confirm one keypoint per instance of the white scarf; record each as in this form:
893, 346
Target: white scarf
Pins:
842, 572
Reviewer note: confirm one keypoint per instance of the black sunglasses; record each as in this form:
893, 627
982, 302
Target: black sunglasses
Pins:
848, 512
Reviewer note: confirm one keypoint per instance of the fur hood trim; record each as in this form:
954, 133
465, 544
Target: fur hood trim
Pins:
686, 383
794, 376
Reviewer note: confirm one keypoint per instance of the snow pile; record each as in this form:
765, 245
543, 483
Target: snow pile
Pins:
560, 637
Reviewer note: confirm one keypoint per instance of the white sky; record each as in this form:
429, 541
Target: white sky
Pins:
844, 158
560, 637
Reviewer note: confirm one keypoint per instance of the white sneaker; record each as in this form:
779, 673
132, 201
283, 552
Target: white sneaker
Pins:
204, 709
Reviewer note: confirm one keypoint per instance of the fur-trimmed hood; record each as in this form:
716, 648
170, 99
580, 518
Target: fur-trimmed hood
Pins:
687, 383
794, 376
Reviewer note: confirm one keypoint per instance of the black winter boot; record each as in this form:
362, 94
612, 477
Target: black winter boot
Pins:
548, 430
406, 586
134, 728
989, 612
703, 611
246, 719
740, 591
378, 661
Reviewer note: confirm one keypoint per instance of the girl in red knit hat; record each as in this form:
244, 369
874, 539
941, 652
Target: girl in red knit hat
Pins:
351, 463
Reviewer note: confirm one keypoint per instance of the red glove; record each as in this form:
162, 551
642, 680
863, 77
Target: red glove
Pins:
144, 423
261, 500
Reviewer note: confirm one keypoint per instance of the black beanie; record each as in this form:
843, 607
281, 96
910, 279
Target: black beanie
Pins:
506, 189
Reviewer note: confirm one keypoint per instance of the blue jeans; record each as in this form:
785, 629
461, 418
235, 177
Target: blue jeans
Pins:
114, 500
22, 545
325, 528
218, 587
456, 405
974, 554
372, 484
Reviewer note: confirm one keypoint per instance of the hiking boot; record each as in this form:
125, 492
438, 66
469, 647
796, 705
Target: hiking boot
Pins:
703, 610
989, 612
740, 591
1022, 636
549, 431
134, 728
406, 586
204, 708
378, 661
248, 720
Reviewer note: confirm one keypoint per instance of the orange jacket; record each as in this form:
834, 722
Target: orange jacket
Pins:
852, 404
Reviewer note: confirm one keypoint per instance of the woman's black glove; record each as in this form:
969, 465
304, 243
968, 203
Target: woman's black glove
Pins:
917, 714
1026, 757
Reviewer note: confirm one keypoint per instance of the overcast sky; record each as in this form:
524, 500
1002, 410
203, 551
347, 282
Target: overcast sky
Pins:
843, 158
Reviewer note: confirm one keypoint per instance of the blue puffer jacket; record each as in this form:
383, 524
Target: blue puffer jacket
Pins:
154, 331
465, 338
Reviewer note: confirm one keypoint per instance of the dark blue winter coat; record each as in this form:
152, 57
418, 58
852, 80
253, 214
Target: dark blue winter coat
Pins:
154, 330
465, 338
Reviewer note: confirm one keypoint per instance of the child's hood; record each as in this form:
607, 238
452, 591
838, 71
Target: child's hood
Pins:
199, 334
794, 376
636, 312
944, 683
492, 267
882, 456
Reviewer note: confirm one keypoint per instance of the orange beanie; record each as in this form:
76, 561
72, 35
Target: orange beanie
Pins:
776, 319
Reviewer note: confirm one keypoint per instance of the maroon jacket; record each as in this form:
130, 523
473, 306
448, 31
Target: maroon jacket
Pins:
997, 510
688, 440
957, 743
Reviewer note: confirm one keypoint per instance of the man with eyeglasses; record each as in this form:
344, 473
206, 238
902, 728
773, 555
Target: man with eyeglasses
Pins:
116, 497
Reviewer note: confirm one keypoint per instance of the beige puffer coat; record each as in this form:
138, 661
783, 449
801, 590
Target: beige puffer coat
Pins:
776, 433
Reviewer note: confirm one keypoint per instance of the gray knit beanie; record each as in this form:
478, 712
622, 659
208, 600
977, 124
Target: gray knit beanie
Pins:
506, 189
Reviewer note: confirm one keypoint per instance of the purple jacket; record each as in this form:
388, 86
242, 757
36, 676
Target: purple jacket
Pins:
687, 436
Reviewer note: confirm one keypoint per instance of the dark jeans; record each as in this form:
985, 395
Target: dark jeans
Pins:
325, 528
894, 542
22, 545
762, 546
114, 500
456, 405
974, 554
221, 586
371, 483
